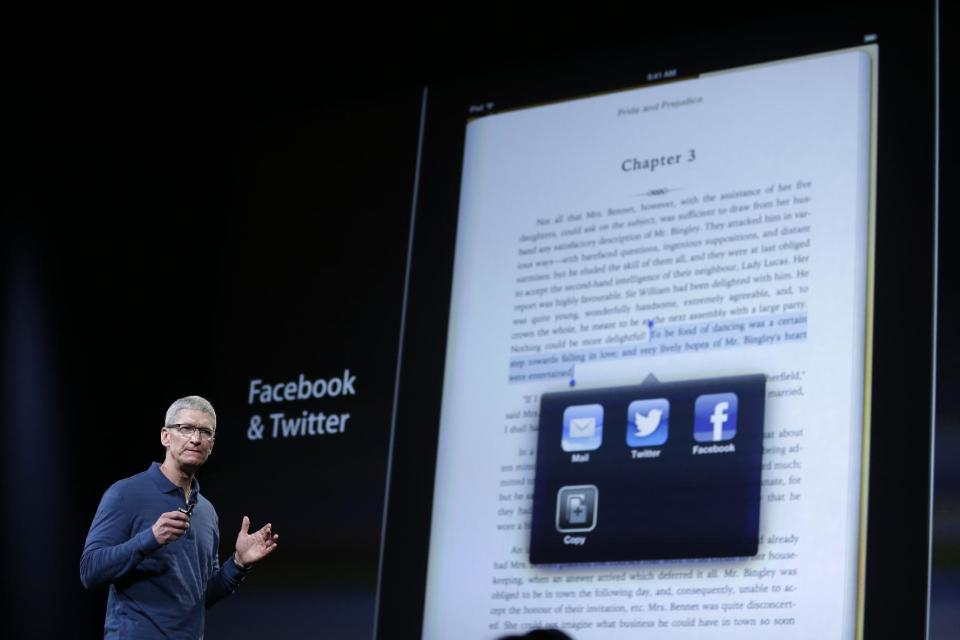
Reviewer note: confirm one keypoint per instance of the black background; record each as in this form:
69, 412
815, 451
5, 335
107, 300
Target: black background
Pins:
166, 237
179, 221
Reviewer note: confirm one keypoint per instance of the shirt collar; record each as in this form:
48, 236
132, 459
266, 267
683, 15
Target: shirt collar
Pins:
165, 486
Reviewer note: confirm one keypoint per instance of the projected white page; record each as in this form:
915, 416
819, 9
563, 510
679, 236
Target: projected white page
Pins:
700, 228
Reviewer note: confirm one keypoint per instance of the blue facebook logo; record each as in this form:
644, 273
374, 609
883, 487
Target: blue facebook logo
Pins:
715, 417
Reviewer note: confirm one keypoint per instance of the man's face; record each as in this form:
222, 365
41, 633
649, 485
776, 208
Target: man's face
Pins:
188, 452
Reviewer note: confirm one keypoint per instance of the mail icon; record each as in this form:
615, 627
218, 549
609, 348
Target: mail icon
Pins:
582, 427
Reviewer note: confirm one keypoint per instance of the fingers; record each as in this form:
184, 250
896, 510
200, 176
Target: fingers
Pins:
264, 536
253, 547
267, 537
175, 519
170, 526
270, 544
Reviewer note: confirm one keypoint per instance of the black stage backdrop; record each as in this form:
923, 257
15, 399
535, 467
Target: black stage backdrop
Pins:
166, 235
313, 271
168, 229
945, 565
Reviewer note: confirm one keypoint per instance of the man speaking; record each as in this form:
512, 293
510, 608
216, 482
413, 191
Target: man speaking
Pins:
155, 539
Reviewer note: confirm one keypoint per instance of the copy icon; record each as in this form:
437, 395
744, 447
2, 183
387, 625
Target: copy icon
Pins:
577, 508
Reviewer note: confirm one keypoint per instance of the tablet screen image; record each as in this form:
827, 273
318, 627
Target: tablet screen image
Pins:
654, 384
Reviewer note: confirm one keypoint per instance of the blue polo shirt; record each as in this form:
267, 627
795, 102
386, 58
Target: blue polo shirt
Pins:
156, 591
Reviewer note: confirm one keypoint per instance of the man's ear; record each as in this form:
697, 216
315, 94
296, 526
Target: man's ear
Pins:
165, 437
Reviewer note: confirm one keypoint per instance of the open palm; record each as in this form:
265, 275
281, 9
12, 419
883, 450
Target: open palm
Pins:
253, 547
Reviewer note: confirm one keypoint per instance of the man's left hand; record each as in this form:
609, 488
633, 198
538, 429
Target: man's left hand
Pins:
253, 547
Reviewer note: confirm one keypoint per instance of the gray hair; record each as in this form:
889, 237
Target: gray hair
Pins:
190, 402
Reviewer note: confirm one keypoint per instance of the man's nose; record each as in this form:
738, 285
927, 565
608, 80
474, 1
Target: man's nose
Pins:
195, 436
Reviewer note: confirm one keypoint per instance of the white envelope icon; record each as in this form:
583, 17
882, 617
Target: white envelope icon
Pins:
583, 427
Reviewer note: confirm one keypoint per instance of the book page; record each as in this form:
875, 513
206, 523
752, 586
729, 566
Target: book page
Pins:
697, 229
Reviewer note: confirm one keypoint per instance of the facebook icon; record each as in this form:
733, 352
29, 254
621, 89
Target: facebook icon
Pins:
715, 417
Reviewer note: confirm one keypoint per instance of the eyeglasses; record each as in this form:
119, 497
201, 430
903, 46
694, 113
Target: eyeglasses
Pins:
187, 431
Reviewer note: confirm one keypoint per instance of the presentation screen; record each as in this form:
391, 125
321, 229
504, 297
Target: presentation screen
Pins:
657, 373
656, 360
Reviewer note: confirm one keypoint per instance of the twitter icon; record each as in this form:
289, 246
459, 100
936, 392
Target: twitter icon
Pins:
648, 422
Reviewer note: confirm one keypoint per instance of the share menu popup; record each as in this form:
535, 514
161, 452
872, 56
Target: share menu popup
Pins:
649, 472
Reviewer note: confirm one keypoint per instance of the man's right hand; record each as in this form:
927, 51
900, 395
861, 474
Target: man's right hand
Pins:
170, 526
